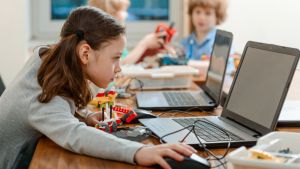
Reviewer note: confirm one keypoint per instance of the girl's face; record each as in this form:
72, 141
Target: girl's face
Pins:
102, 65
204, 19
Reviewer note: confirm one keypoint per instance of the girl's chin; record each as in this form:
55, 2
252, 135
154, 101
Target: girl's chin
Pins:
102, 85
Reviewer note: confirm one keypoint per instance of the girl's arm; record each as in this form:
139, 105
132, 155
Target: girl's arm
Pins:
89, 118
56, 120
150, 41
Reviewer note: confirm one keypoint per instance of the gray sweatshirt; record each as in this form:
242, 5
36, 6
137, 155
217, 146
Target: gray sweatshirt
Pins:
23, 119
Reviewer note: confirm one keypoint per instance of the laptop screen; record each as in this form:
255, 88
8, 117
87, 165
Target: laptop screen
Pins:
260, 85
2, 87
218, 63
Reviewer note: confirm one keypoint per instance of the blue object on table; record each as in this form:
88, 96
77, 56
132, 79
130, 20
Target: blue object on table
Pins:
166, 60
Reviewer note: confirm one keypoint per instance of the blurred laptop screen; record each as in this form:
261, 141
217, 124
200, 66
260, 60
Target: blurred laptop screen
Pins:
218, 64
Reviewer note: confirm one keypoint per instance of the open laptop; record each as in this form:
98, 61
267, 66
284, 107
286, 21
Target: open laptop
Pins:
207, 97
2, 87
253, 105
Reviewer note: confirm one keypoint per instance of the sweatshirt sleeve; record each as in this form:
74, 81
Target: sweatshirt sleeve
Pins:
56, 120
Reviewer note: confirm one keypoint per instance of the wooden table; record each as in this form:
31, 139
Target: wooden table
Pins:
48, 155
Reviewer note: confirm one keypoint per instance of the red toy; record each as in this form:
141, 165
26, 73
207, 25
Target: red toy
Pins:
168, 29
170, 32
128, 114
117, 114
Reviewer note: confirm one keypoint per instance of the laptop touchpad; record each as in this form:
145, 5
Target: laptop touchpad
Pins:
151, 99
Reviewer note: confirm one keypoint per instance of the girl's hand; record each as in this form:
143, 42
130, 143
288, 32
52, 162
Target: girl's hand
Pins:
93, 119
151, 155
153, 40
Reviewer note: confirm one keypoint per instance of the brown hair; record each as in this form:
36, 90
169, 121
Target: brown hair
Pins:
220, 6
110, 6
61, 72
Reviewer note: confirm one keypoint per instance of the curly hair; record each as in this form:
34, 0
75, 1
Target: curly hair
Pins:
220, 7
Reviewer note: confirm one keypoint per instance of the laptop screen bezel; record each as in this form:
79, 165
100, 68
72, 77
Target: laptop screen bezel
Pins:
206, 89
242, 120
2, 86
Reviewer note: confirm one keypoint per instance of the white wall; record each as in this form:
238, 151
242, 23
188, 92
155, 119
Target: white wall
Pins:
268, 21
14, 37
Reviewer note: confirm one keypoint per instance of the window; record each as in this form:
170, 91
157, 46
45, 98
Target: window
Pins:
48, 17
148, 10
60, 9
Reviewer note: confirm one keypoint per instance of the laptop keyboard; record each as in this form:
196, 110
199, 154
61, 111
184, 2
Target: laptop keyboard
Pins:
180, 99
206, 131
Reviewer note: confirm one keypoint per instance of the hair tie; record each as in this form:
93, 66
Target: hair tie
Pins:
79, 34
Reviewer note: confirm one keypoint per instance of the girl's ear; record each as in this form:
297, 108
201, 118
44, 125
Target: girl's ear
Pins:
84, 51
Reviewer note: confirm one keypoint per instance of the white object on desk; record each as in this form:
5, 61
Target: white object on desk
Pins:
290, 111
201, 65
271, 143
165, 77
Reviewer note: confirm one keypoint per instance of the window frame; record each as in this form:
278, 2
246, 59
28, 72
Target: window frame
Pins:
45, 29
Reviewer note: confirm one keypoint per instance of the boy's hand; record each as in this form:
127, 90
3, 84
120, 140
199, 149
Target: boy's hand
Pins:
151, 155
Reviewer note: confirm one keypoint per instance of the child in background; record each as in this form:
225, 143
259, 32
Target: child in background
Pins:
205, 15
47, 94
118, 9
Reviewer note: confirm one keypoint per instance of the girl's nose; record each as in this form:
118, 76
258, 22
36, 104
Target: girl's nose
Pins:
117, 68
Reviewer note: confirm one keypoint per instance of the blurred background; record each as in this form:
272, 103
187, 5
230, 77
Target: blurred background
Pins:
29, 23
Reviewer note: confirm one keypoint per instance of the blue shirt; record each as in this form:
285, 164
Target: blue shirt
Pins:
194, 49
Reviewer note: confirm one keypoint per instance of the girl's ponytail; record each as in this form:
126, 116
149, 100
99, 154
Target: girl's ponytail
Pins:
62, 73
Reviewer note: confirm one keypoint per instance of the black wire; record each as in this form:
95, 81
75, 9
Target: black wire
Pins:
193, 127
224, 131
208, 151
127, 88
174, 132
221, 164
141, 84
202, 145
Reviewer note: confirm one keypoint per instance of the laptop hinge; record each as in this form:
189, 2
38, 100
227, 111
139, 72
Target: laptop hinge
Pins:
208, 93
256, 135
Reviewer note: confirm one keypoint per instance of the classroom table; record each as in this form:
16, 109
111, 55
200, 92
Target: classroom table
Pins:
49, 155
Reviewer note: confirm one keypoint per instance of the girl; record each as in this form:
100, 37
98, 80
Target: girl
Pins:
53, 86
118, 9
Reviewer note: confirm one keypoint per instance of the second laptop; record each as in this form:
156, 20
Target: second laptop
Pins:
208, 95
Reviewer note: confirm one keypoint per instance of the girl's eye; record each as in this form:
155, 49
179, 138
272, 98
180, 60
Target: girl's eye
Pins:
116, 58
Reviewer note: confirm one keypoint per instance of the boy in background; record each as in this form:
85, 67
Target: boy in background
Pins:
205, 15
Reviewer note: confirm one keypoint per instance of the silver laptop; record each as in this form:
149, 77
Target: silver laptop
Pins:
253, 104
207, 97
